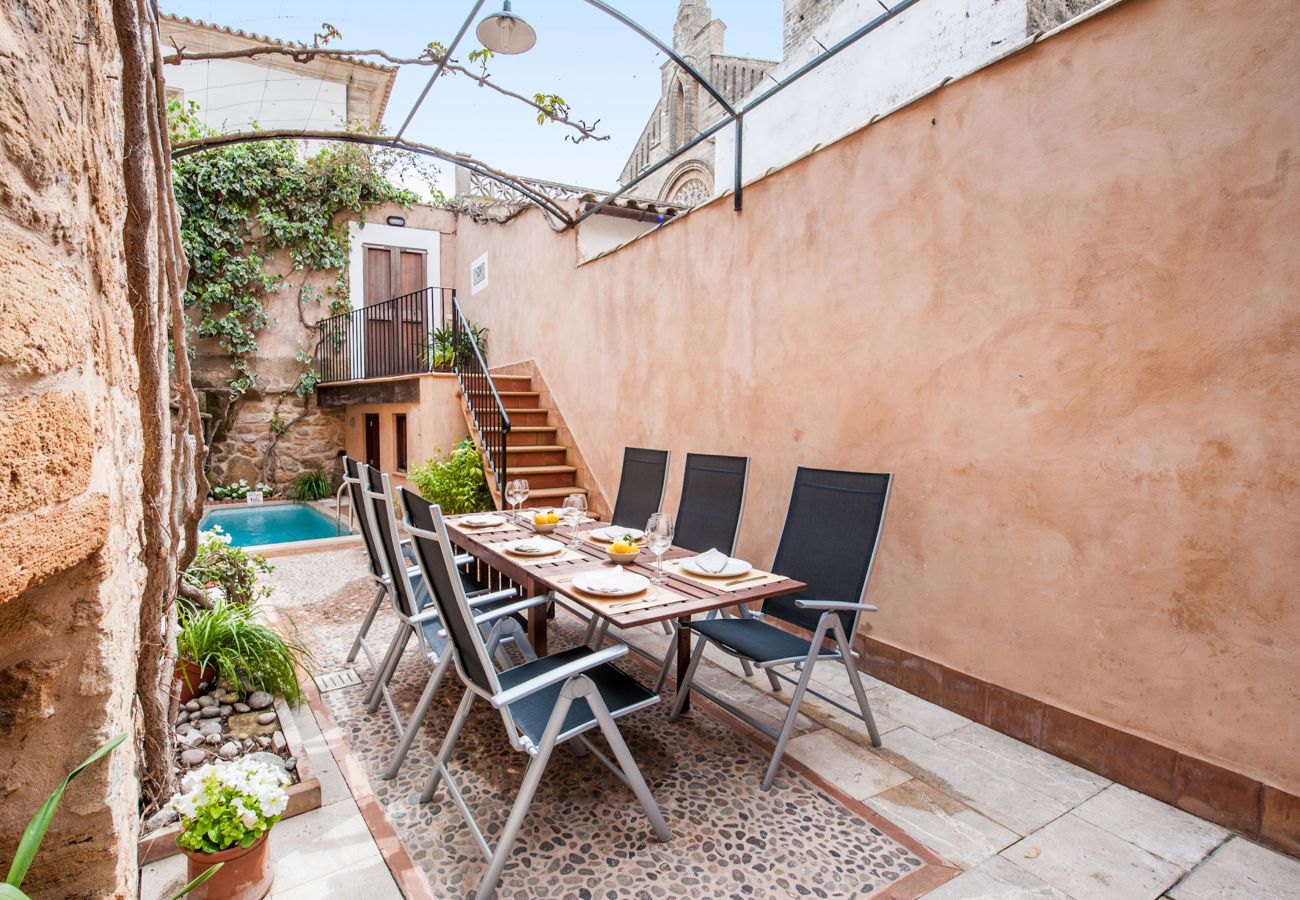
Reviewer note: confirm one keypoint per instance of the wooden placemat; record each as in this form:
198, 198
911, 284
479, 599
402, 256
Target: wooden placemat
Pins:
751, 579
564, 556
470, 529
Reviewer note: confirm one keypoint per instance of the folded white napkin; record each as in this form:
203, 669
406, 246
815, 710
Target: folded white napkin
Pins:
607, 581
529, 545
712, 560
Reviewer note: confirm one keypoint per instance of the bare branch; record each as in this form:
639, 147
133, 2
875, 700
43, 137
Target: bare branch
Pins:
196, 145
303, 54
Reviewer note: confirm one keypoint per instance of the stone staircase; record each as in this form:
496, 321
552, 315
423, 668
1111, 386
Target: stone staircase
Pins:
539, 447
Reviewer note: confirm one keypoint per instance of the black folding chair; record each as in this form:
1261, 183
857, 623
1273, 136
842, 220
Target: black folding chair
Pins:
419, 619
708, 518
829, 541
640, 487
374, 558
551, 700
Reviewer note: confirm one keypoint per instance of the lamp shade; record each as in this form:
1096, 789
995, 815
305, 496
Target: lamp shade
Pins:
505, 32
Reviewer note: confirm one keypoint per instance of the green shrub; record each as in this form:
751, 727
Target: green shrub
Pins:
233, 639
456, 483
229, 568
313, 484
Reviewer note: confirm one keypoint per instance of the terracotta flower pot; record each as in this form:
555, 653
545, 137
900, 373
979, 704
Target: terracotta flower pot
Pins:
245, 875
188, 677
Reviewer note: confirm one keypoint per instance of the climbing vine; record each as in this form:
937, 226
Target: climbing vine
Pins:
242, 204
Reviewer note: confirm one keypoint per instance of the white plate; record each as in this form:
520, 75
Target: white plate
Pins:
487, 521
606, 584
545, 546
733, 568
612, 533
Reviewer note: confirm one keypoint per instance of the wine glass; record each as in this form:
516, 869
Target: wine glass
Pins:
659, 529
575, 510
516, 494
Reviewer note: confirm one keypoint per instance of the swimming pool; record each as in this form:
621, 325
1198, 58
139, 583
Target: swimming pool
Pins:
276, 523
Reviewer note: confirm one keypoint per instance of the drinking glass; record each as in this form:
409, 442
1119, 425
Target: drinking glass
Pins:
517, 493
659, 530
575, 510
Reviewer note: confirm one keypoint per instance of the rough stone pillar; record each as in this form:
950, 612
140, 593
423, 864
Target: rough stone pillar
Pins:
73, 551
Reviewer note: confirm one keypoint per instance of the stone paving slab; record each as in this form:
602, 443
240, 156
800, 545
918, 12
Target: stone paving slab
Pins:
1156, 827
1087, 863
944, 824
1242, 870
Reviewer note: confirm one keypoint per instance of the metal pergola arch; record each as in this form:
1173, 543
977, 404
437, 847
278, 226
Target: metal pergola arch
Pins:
733, 115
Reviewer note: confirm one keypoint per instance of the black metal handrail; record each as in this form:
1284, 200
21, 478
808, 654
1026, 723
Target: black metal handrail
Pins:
484, 403
386, 339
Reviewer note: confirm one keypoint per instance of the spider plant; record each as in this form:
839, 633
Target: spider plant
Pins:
233, 639
313, 484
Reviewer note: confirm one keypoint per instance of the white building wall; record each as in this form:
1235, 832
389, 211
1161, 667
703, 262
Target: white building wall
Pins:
933, 40
233, 95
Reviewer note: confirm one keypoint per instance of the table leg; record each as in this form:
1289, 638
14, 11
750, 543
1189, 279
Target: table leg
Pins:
537, 627
683, 656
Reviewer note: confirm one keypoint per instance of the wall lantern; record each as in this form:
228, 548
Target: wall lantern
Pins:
396, 221
505, 32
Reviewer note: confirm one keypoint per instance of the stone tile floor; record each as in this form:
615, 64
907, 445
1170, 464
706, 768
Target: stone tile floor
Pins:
1013, 820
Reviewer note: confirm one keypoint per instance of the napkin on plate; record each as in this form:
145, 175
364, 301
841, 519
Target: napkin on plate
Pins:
528, 545
610, 581
712, 560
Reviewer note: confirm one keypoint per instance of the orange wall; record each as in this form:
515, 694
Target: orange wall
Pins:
1058, 299
434, 425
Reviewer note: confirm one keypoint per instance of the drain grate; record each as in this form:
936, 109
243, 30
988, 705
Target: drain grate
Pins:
332, 681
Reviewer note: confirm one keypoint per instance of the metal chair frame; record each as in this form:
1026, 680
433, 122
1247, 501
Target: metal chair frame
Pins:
830, 624
576, 684
412, 619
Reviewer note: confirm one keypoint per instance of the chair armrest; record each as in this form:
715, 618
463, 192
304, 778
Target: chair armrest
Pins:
509, 609
486, 597
427, 615
834, 605
555, 676
462, 559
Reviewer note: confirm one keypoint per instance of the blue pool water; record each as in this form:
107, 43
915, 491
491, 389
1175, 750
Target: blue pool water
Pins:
253, 525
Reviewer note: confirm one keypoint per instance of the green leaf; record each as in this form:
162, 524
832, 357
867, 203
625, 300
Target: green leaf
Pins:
9, 892
207, 873
40, 823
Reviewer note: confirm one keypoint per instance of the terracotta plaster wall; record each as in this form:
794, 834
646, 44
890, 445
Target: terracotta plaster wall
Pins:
1058, 299
435, 424
71, 450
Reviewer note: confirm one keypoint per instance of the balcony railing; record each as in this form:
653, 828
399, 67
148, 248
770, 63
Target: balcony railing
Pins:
383, 340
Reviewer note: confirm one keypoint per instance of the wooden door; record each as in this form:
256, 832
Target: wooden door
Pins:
372, 440
394, 327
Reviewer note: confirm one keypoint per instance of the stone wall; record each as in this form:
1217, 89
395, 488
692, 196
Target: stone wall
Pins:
71, 446
252, 449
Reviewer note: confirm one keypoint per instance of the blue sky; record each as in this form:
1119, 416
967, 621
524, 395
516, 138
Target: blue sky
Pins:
604, 70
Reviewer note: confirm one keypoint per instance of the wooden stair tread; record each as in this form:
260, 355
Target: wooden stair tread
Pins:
514, 428
523, 409
537, 448
521, 471
555, 492
519, 393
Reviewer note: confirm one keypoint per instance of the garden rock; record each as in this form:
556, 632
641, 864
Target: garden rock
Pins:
206, 701
266, 718
210, 727
291, 763
192, 706
247, 725
278, 742
226, 710
260, 700
228, 750
242, 708
193, 738
210, 712
212, 740
193, 757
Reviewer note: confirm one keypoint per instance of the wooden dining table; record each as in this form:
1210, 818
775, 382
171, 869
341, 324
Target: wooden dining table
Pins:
682, 596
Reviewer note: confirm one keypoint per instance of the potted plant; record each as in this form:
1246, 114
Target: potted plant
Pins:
227, 811
232, 641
